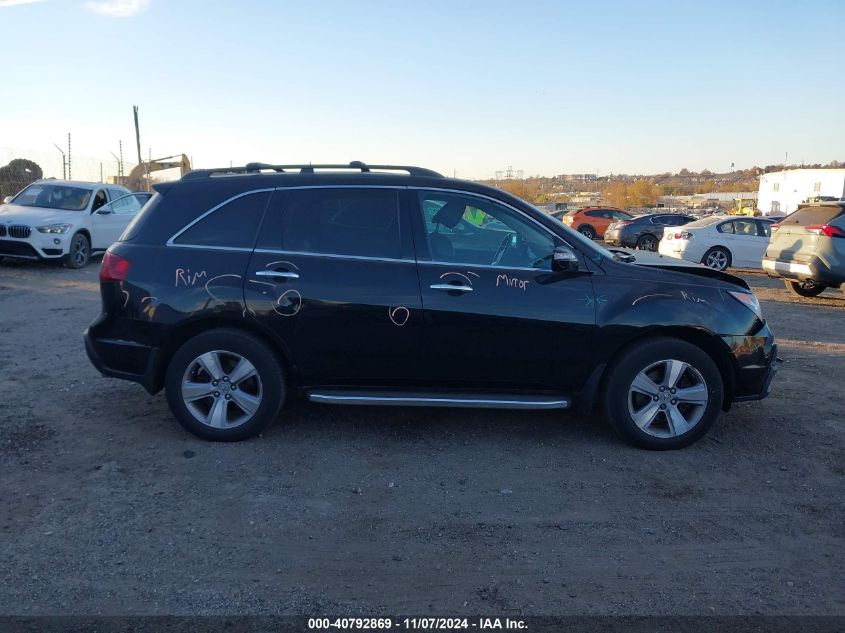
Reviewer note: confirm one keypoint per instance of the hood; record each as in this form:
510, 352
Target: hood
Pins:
37, 216
655, 260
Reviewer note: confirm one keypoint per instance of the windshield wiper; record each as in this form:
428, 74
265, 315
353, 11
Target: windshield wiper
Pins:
622, 256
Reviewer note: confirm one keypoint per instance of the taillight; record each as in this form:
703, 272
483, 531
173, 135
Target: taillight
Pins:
683, 235
774, 227
826, 229
114, 267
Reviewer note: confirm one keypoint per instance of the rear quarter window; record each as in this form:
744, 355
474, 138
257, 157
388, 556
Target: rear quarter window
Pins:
234, 224
134, 227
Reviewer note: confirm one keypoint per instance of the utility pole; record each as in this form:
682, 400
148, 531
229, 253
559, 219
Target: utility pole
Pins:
120, 153
64, 161
68, 157
137, 133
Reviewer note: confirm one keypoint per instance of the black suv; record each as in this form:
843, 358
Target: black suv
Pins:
385, 285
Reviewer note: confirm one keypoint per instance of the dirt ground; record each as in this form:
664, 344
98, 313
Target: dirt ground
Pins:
108, 507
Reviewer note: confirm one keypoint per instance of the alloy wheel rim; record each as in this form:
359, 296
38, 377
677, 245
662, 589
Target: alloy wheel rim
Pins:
717, 260
648, 244
221, 389
668, 398
80, 251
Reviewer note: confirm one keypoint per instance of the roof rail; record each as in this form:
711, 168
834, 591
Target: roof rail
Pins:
258, 168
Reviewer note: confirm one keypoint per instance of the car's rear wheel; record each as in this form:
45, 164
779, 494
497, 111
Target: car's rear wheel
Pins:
587, 231
663, 393
80, 252
717, 258
647, 243
224, 385
805, 288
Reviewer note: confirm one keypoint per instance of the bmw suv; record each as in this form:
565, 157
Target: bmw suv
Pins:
390, 285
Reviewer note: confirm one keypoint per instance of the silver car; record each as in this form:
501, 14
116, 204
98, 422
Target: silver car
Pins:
807, 249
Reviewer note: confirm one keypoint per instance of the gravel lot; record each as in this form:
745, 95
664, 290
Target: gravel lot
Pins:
108, 507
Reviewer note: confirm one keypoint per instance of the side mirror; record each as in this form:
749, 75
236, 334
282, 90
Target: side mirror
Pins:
564, 260
103, 211
7, 199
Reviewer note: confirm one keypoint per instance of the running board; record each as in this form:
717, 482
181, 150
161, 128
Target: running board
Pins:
419, 399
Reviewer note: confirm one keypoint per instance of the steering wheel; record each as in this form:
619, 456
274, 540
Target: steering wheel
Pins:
503, 247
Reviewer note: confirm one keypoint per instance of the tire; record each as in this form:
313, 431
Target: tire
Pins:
80, 252
629, 410
587, 231
806, 288
717, 258
647, 243
247, 409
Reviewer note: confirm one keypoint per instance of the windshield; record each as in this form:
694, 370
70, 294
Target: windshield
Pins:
51, 196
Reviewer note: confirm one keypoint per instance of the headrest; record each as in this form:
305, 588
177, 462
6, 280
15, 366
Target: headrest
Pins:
450, 214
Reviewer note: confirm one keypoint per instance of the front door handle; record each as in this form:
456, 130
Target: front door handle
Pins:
282, 274
451, 287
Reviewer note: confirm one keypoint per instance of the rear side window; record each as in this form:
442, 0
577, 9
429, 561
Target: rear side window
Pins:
137, 222
727, 227
814, 215
232, 225
355, 222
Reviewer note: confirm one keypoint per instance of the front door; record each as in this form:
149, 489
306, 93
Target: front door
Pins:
333, 278
110, 220
496, 316
747, 243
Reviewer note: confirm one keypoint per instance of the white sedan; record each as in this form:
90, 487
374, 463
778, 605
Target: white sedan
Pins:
719, 241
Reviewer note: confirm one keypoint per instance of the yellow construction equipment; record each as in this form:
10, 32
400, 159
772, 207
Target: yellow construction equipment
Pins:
744, 206
139, 179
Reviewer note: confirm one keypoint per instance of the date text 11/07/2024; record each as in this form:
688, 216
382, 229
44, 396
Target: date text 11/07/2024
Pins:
430, 623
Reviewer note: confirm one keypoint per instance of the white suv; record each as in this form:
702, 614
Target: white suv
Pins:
64, 220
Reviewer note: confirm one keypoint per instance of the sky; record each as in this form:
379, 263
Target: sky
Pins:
466, 88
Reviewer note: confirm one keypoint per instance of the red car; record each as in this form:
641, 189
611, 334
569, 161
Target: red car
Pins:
592, 222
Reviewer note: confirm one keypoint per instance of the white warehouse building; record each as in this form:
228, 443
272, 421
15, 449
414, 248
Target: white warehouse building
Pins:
782, 191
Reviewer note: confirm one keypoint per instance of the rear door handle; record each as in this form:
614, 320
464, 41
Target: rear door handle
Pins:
450, 287
281, 274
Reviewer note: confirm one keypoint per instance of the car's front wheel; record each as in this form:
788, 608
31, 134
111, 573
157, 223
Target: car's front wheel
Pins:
225, 385
80, 252
663, 393
805, 288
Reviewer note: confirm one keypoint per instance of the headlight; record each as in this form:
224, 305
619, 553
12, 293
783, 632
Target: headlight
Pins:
749, 300
54, 228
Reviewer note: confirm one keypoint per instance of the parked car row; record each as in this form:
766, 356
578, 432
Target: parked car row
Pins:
65, 221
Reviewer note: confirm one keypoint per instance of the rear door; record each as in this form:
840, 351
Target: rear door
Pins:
333, 278
496, 316
745, 240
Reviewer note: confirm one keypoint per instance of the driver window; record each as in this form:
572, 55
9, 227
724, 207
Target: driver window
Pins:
99, 200
468, 230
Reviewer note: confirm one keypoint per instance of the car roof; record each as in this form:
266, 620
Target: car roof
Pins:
271, 176
82, 184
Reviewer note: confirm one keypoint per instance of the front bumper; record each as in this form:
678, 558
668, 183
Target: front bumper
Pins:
756, 364
36, 246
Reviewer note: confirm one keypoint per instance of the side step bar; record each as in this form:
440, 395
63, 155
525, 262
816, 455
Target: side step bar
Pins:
421, 399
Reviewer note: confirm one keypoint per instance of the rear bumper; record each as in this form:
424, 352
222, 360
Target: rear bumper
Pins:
815, 269
128, 360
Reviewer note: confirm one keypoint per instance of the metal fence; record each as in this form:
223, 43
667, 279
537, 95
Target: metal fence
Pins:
19, 167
